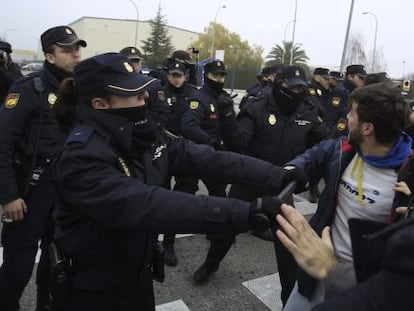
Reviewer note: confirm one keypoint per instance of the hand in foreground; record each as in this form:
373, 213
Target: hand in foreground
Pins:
402, 187
15, 210
313, 254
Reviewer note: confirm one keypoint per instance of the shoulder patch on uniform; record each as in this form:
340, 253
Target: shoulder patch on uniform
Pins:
161, 95
11, 100
80, 134
194, 104
312, 91
341, 125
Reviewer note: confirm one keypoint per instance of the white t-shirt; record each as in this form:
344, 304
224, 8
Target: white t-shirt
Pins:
374, 204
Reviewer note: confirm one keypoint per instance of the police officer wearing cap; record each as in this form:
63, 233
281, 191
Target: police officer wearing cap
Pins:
110, 204
319, 88
355, 77
177, 92
275, 128
156, 100
336, 79
200, 122
30, 142
9, 71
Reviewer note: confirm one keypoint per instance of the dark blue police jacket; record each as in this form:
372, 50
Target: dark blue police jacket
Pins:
109, 202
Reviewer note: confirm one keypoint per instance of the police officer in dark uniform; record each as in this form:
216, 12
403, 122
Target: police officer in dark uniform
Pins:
30, 141
156, 100
108, 181
200, 122
274, 128
355, 77
9, 71
177, 92
336, 79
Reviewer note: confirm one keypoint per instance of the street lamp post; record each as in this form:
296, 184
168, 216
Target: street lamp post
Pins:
403, 69
375, 39
293, 32
136, 27
351, 10
284, 40
214, 31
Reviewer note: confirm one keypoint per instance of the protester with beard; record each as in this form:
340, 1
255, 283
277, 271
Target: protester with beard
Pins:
177, 92
362, 176
110, 203
9, 71
274, 128
200, 122
30, 142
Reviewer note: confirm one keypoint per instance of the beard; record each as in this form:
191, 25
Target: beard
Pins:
355, 137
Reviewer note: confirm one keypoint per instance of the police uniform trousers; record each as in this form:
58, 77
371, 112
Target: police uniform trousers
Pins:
221, 243
20, 241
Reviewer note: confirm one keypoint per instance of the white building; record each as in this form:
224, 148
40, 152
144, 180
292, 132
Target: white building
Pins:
112, 35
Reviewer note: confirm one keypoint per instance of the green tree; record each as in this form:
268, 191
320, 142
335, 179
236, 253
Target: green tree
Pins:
158, 46
242, 60
280, 54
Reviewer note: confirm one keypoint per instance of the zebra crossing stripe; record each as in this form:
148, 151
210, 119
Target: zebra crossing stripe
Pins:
177, 305
267, 289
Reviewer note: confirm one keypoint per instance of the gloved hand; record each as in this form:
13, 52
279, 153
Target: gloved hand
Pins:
225, 105
263, 213
294, 173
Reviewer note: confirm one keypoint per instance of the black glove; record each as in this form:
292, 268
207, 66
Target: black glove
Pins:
294, 173
225, 105
263, 213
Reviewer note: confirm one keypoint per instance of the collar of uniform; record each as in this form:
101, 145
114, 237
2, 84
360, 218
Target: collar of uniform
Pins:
116, 128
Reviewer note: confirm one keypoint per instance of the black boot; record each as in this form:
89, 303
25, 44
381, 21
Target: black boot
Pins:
202, 274
170, 258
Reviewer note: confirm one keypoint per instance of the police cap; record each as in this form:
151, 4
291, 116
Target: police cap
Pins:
110, 72
377, 77
356, 69
215, 66
183, 56
293, 75
337, 75
60, 35
132, 53
324, 72
5, 46
176, 67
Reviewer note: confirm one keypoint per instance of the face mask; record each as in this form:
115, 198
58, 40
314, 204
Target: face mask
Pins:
286, 100
214, 85
137, 115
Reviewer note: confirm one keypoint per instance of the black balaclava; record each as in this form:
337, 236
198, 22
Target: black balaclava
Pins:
214, 86
144, 128
286, 100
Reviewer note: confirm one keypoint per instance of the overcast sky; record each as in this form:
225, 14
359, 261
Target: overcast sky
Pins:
320, 27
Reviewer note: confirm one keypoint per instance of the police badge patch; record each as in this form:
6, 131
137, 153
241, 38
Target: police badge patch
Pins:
11, 100
194, 104
272, 119
341, 125
51, 98
161, 95
335, 101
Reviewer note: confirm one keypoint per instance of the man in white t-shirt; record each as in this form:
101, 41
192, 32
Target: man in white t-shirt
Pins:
361, 173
